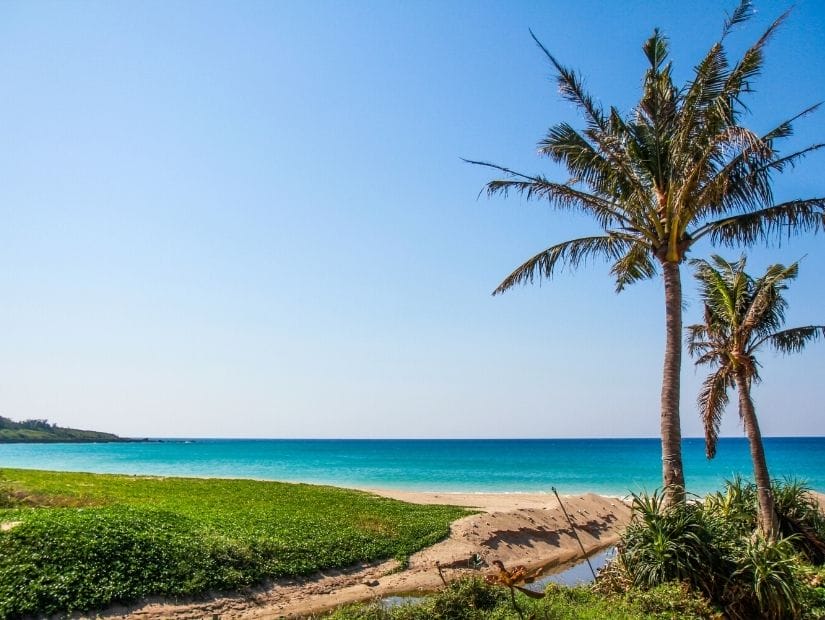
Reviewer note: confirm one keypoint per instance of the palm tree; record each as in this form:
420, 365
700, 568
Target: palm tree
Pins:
741, 315
677, 169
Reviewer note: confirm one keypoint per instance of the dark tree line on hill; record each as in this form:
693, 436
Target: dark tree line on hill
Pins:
42, 431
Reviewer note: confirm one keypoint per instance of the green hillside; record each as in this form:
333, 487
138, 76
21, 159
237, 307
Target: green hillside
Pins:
41, 431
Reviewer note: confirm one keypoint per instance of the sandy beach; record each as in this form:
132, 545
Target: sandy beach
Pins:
516, 528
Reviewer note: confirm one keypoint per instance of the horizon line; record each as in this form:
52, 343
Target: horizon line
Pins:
353, 438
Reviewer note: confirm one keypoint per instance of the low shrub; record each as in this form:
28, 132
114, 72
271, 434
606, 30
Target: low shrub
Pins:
735, 506
672, 600
765, 582
713, 548
800, 517
663, 544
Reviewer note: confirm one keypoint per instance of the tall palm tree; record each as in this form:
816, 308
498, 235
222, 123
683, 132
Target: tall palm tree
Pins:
741, 315
679, 168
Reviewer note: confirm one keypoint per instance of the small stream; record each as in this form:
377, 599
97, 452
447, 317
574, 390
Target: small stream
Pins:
575, 575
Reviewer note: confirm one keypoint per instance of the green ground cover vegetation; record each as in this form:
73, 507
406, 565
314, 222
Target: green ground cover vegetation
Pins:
84, 541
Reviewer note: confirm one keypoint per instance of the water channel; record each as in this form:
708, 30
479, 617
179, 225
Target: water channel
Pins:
575, 575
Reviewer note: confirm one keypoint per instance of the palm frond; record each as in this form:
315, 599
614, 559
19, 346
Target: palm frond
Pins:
571, 88
636, 265
697, 339
604, 167
560, 195
779, 164
699, 97
790, 218
766, 308
738, 187
571, 253
785, 128
720, 289
751, 63
741, 181
655, 49
599, 143
792, 340
712, 400
740, 14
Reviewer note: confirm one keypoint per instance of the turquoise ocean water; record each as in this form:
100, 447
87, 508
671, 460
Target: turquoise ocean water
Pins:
608, 466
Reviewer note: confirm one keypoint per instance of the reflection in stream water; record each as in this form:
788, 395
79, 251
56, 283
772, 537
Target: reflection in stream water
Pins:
577, 574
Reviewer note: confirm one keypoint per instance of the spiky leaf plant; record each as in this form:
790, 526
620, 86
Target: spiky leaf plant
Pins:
800, 516
764, 583
666, 543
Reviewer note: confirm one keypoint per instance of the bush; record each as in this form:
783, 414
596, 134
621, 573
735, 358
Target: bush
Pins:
735, 506
713, 548
813, 592
800, 517
765, 582
672, 600
672, 544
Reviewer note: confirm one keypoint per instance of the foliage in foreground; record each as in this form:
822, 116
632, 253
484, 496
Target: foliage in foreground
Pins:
713, 547
85, 541
473, 599
696, 560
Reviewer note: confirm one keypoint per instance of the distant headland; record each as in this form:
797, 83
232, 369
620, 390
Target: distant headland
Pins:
41, 431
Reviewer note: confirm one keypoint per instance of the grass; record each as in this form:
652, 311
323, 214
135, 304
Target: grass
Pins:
85, 541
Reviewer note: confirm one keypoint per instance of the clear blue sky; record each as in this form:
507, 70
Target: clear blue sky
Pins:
251, 219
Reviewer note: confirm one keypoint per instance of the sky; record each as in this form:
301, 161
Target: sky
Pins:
226, 219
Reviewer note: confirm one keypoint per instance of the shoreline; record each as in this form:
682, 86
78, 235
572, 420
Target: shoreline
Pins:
495, 501
466, 498
424, 495
412, 495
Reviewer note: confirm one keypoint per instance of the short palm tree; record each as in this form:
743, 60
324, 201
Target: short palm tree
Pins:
679, 168
742, 315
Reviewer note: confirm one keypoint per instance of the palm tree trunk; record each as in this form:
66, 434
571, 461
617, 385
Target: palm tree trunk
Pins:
672, 475
768, 521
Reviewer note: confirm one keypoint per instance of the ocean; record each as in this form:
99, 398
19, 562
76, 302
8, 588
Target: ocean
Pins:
606, 466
